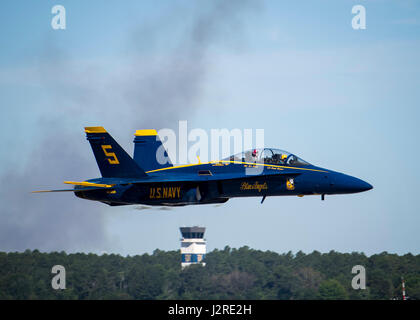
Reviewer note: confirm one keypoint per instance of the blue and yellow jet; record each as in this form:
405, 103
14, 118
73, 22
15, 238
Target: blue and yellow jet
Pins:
143, 180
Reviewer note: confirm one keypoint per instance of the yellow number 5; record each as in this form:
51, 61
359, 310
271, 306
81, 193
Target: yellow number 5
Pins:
112, 155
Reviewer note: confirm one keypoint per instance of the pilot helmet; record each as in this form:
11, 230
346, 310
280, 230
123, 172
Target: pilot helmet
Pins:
283, 157
254, 152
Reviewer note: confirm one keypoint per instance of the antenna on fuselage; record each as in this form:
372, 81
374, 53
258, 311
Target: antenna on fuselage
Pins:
263, 199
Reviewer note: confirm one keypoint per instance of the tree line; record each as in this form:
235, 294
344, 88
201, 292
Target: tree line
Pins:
242, 273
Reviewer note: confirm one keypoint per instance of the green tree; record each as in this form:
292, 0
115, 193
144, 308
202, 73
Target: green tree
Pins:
332, 290
145, 282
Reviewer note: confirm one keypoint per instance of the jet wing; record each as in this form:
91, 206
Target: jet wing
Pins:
89, 186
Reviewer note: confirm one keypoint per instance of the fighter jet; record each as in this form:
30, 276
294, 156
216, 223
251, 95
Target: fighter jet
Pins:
143, 179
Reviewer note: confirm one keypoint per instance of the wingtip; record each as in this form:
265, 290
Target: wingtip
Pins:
45, 191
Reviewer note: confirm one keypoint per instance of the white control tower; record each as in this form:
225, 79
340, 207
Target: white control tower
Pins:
193, 246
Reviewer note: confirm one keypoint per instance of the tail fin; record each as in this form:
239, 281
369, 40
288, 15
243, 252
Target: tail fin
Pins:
149, 152
113, 161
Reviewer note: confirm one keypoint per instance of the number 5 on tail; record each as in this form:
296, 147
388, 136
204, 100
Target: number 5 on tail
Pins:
112, 155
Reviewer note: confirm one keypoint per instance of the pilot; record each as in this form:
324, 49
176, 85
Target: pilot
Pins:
282, 158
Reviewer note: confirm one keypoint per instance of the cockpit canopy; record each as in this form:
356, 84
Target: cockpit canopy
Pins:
268, 156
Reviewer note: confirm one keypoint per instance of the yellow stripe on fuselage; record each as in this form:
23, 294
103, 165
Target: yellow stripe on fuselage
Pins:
235, 162
268, 165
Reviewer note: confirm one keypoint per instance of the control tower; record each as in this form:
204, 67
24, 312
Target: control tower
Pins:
193, 246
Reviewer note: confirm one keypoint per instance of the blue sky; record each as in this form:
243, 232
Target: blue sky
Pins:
339, 98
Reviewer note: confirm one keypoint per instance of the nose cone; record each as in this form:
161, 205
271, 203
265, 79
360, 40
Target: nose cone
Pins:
348, 184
